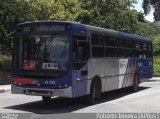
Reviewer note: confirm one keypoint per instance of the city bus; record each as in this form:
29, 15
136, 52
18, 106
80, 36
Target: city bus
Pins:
68, 59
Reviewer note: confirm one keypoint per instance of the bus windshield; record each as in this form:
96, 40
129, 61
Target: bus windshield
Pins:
45, 52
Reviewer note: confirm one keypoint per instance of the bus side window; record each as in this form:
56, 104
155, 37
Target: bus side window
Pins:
119, 42
137, 49
97, 51
137, 45
109, 52
108, 41
149, 51
144, 49
97, 39
133, 44
97, 45
109, 49
81, 50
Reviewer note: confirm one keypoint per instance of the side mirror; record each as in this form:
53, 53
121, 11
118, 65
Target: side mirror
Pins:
80, 53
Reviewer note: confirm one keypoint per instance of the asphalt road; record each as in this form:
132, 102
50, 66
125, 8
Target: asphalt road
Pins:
146, 100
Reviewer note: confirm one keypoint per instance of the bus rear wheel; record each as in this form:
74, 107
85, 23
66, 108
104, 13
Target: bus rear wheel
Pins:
135, 86
46, 99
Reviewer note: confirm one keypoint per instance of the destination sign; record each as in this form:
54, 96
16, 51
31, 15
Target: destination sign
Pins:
50, 28
26, 29
42, 28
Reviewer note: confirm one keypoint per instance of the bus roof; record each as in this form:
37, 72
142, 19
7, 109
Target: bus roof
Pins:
45, 21
93, 28
118, 33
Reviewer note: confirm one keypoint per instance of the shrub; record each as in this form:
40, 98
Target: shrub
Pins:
5, 63
156, 65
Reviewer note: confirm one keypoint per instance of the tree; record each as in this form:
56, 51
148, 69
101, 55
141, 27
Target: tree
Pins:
13, 12
155, 4
112, 14
141, 17
65, 10
156, 45
151, 30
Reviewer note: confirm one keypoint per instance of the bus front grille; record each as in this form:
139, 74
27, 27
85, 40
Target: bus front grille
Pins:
38, 91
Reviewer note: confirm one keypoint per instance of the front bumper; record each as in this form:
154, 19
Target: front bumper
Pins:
67, 92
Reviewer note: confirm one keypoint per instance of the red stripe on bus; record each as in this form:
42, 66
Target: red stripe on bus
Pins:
22, 80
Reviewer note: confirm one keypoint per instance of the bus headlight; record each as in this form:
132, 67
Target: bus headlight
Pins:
78, 79
65, 85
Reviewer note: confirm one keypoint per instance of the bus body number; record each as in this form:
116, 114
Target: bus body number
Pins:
49, 82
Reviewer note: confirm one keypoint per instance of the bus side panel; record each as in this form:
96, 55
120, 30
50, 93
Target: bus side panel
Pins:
128, 68
107, 69
119, 73
144, 68
115, 74
79, 82
111, 80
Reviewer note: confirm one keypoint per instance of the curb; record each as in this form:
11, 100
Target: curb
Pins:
5, 91
155, 78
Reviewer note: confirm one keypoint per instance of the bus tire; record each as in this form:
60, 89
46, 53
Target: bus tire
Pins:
98, 89
92, 95
46, 99
95, 92
135, 86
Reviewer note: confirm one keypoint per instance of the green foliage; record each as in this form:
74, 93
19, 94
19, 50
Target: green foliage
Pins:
5, 63
112, 14
12, 12
156, 45
152, 30
46, 9
147, 29
141, 17
147, 4
156, 65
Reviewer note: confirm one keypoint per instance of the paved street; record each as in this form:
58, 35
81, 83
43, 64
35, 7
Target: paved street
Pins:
146, 100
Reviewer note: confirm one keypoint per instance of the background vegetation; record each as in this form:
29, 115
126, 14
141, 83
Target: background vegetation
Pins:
149, 4
156, 65
111, 14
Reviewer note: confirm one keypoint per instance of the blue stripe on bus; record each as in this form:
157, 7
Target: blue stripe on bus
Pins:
79, 29
79, 82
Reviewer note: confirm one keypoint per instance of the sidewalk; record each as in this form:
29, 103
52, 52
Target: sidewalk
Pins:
155, 78
5, 88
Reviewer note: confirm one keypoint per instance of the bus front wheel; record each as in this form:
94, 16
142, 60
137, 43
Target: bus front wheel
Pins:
94, 93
